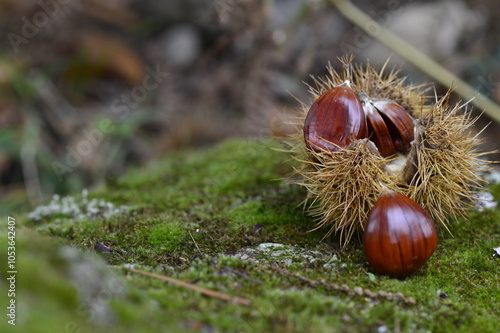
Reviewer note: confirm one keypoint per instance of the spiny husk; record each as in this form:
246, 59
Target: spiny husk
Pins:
445, 162
343, 186
441, 172
378, 84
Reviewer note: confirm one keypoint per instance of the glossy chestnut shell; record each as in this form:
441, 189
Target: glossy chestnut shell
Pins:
400, 236
390, 127
335, 119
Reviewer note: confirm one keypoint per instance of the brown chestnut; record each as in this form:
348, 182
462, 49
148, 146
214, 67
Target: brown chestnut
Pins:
335, 119
378, 131
399, 122
400, 236
390, 127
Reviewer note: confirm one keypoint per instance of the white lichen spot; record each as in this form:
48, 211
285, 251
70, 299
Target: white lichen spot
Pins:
485, 200
69, 208
285, 255
493, 176
332, 262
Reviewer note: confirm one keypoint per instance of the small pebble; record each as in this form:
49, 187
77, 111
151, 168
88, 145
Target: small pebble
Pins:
497, 252
370, 293
257, 228
382, 329
410, 300
358, 291
442, 294
399, 295
100, 247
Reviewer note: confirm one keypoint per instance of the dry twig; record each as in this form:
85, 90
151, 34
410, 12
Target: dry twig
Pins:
201, 290
196, 244
352, 292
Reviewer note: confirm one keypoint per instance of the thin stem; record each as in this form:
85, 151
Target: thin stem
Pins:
184, 284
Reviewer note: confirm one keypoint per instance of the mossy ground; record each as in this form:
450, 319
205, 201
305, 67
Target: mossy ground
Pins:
202, 217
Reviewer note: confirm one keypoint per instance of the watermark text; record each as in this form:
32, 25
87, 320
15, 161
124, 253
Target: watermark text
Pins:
11, 270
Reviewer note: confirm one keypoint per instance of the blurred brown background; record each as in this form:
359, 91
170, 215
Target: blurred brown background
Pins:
89, 88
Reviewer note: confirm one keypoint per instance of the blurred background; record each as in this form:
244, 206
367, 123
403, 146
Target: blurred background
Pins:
89, 88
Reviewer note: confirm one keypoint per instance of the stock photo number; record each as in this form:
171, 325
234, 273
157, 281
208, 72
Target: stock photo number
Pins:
11, 270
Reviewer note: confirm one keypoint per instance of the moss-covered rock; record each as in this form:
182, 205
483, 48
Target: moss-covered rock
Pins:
221, 219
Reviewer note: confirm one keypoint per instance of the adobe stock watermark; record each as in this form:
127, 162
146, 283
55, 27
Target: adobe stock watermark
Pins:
381, 18
121, 109
31, 26
11, 270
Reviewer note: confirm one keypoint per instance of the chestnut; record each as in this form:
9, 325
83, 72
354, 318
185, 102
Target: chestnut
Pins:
368, 132
334, 120
400, 236
390, 127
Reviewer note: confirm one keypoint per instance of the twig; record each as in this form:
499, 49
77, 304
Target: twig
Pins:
417, 58
29, 164
195, 242
201, 290
351, 291
242, 275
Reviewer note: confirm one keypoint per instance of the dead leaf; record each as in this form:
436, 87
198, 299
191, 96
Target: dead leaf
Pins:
114, 56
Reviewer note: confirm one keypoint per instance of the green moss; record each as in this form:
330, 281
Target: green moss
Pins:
209, 217
57, 287
168, 236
